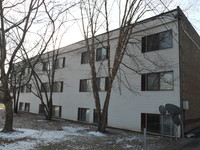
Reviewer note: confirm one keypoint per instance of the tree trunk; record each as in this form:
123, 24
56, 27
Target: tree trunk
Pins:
8, 126
16, 100
49, 114
15, 105
16, 108
103, 122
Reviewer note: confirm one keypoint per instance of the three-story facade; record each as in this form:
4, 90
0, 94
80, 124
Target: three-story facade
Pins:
161, 66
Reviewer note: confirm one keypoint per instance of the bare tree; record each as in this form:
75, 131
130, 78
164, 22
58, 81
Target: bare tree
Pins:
9, 52
17, 75
44, 89
46, 64
17, 21
95, 17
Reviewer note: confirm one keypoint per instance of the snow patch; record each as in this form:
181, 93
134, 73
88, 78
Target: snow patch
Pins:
72, 129
22, 145
96, 133
28, 139
19, 133
41, 121
129, 146
119, 140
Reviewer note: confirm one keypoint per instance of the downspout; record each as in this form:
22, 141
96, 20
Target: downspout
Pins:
181, 71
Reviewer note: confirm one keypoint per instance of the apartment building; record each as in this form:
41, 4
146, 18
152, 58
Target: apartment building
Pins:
164, 57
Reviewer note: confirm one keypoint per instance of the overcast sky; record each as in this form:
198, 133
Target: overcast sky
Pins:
191, 8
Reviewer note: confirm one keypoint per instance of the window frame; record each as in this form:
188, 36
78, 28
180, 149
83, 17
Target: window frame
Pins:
46, 87
48, 65
83, 117
45, 66
26, 71
149, 46
83, 88
61, 86
60, 63
42, 111
21, 106
153, 126
27, 107
101, 57
99, 82
28, 89
95, 116
54, 111
23, 89
145, 82
85, 57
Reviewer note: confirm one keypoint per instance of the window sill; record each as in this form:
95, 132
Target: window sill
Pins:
157, 50
157, 90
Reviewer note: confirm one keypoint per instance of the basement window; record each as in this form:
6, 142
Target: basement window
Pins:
21, 105
153, 123
27, 107
95, 116
83, 114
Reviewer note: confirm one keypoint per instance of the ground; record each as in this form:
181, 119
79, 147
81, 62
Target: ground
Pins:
32, 132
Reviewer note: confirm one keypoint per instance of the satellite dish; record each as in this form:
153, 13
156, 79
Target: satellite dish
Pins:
162, 110
173, 110
176, 120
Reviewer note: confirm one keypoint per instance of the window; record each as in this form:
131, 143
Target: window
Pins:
153, 123
21, 105
60, 63
56, 111
157, 41
85, 57
83, 114
101, 54
102, 84
95, 116
57, 87
22, 89
85, 85
26, 71
45, 87
41, 109
157, 81
28, 88
27, 107
46, 66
